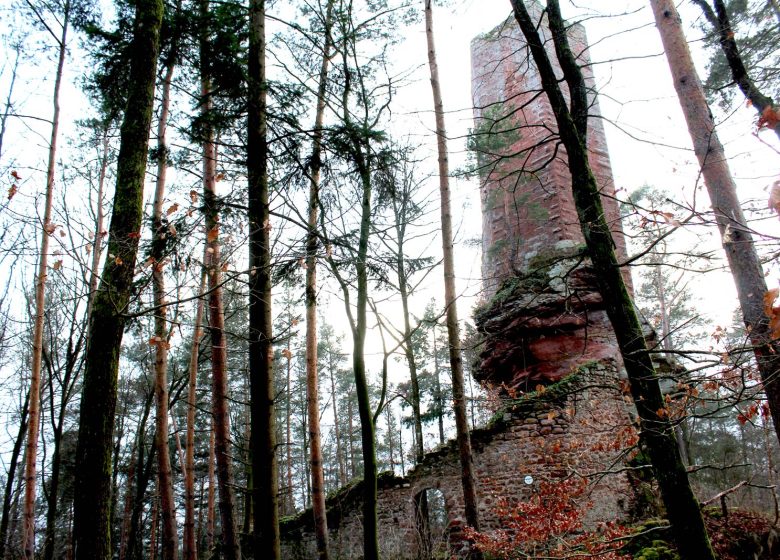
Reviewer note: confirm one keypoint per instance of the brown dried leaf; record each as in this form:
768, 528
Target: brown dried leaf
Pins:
171, 209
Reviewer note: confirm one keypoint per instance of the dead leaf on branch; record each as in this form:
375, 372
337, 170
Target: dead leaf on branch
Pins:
171, 209
774, 197
12, 191
772, 311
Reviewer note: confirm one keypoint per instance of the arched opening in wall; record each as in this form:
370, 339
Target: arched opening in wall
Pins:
431, 522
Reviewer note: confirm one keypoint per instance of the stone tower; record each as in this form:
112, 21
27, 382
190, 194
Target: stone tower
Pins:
542, 315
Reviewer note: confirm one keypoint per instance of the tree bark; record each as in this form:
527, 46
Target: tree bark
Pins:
190, 542
312, 378
170, 548
453, 329
735, 234
210, 505
92, 502
656, 431
47, 229
263, 441
219, 382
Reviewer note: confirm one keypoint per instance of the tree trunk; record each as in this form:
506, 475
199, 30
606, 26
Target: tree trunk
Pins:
453, 330
437, 388
340, 459
190, 542
657, 432
128, 508
9, 481
143, 469
735, 234
47, 229
312, 378
263, 444
97, 245
210, 506
219, 382
92, 500
170, 549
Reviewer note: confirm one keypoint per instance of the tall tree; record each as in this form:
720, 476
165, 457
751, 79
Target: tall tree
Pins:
216, 306
160, 340
47, 229
312, 377
261, 378
736, 236
190, 542
468, 480
656, 431
92, 503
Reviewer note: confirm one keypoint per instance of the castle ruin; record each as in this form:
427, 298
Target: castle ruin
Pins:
547, 345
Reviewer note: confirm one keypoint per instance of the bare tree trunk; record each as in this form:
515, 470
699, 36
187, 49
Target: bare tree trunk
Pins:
128, 508
340, 459
92, 498
97, 245
312, 379
11, 476
190, 542
153, 529
9, 99
210, 506
170, 549
437, 388
219, 383
657, 432
735, 234
47, 229
453, 329
290, 498
261, 376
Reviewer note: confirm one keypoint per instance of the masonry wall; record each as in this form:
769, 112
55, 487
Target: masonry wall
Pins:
582, 431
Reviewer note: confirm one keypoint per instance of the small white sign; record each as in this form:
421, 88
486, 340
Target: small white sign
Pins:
528, 479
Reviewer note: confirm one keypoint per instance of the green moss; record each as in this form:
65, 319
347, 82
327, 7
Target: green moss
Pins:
540, 400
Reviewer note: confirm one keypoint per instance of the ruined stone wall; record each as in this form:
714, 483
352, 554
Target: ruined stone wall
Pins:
527, 206
574, 430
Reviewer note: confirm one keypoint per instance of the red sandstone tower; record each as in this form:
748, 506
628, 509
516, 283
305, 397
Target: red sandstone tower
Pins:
543, 315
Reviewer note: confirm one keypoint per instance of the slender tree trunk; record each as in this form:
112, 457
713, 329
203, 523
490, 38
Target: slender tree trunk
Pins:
351, 441
190, 542
290, 498
128, 508
9, 481
437, 388
92, 501
47, 229
97, 245
735, 234
340, 459
9, 100
453, 329
312, 378
170, 549
263, 444
153, 529
143, 470
210, 506
219, 382
657, 432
